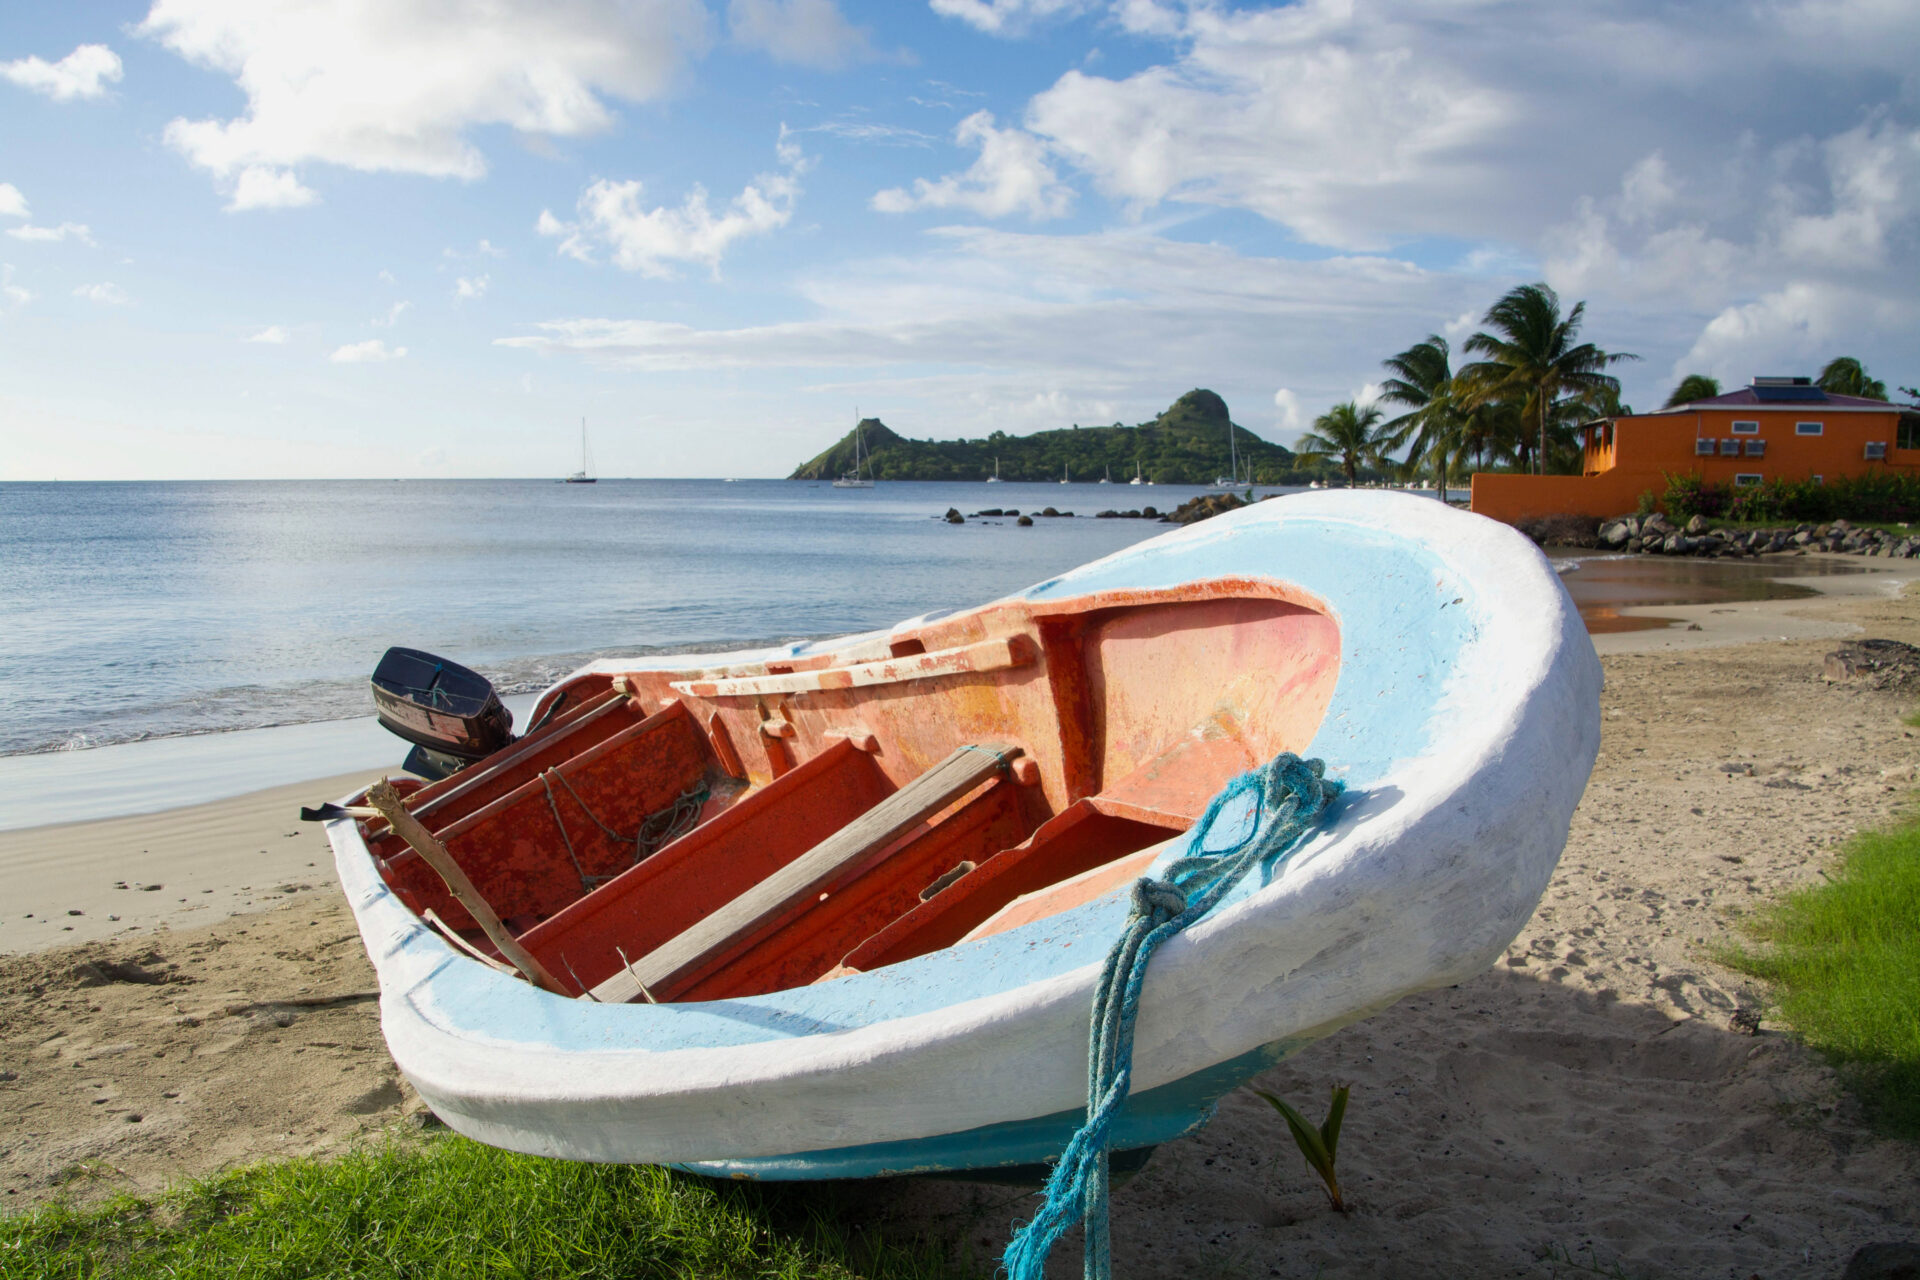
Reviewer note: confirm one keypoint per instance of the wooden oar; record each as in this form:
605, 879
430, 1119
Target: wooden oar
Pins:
383, 798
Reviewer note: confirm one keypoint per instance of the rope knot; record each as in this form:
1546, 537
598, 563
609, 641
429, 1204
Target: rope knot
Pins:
1157, 900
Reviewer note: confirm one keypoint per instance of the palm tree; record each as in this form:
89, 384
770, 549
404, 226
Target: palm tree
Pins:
1351, 434
1423, 381
1532, 358
1846, 376
1695, 386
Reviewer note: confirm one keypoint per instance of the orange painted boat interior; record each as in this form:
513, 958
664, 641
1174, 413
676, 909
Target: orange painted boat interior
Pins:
1129, 711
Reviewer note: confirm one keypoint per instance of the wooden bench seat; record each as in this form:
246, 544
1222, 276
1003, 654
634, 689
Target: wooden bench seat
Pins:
682, 959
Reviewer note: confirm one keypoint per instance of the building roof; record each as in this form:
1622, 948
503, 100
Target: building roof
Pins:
1781, 397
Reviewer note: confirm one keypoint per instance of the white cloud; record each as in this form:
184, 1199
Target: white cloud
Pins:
1289, 420
1777, 256
988, 311
372, 351
392, 317
53, 235
1008, 17
1367, 126
273, 334
106, 293
806, 33
16, 295
469, 287
613, 216
398, 86
262, 187
892, 135
1012, 175
487, 250
12, 203
84, 73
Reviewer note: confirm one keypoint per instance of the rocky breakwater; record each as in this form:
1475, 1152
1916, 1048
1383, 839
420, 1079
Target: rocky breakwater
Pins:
1657, 535
1204, 507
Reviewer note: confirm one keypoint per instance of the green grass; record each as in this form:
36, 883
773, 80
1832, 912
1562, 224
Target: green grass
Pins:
1843, 959
447, 1207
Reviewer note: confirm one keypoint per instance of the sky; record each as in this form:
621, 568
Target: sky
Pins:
338, 238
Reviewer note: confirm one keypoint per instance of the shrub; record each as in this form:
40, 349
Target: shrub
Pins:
1690, 494
1882, 496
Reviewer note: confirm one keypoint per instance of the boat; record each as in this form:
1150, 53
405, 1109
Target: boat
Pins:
1106, 477
836, 908
856, 478
585, 474
1066, 474
1232, 479
1138, 476
995, 477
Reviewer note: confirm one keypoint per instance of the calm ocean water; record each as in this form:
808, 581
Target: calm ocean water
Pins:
133, 611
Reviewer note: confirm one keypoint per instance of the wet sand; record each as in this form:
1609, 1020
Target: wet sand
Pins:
1596, 1096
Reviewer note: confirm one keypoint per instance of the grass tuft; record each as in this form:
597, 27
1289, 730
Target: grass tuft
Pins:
1843, 959
445, 1207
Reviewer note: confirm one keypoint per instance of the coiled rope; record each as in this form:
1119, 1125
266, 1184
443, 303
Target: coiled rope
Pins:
1288, 796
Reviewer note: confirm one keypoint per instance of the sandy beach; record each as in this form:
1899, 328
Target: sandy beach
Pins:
1601, 1098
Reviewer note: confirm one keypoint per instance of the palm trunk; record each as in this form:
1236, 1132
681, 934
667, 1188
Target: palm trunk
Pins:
1540, 467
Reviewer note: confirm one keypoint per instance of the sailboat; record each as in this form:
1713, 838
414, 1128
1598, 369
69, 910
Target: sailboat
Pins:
585, 474
995, 477
1232, 479
1108, 477
1066, 474
1137, 477
854, 479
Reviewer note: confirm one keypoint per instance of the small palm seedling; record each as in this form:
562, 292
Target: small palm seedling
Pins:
1318, 1145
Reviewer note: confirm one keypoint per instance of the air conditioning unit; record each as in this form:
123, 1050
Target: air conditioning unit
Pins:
1756, 448
1729, 448
1703, 448
1876, 450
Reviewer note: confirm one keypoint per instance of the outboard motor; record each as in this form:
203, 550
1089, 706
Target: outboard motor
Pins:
450, 714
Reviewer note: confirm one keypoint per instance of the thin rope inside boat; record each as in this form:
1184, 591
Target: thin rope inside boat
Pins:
1289, 794
586, 886
657, 830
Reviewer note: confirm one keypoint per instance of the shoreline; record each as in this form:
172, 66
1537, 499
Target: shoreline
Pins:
1597, 1093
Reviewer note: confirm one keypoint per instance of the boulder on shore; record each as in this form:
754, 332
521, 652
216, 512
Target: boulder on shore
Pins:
1880, 664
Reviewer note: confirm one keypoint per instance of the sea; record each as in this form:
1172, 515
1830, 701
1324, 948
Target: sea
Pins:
162, 643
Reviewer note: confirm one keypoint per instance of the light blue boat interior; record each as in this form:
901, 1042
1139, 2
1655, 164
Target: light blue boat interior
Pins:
1403, 619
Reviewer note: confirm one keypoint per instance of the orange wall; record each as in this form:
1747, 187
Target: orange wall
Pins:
1516, 498
1644, 449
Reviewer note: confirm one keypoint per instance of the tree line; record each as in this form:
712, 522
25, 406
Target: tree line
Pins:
1519, 405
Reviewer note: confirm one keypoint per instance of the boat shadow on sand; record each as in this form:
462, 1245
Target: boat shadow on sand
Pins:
1515, 1124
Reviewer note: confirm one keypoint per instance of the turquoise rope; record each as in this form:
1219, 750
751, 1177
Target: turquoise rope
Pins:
1289, 795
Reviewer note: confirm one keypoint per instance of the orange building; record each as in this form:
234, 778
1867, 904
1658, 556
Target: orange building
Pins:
1784, 428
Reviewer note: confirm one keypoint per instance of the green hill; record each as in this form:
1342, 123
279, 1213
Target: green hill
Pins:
1185, 445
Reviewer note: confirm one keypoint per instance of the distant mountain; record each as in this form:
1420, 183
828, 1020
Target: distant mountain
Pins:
1185, 445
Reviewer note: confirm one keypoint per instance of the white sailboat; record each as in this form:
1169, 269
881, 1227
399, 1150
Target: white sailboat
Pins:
855, 479
1232, 479
1066, 474
995, 477
585, 474
1107, 478
1137, 477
